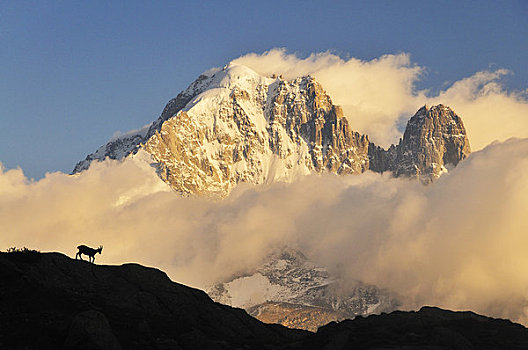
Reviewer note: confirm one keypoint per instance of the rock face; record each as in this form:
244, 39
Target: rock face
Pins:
291, 290
435, 138
49, 301
234, 126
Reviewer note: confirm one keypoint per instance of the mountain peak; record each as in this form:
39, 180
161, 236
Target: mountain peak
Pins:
434, 140
236, 75
234, 125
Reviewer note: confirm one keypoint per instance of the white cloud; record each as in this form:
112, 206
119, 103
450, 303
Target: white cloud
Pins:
460, 243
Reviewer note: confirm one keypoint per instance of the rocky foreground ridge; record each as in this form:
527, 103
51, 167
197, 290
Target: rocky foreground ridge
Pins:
234, 125
49, 301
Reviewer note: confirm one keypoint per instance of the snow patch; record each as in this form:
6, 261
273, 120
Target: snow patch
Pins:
253, 290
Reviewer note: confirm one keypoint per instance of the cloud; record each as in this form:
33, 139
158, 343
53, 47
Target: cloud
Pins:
379, 96
489, 111
459, 243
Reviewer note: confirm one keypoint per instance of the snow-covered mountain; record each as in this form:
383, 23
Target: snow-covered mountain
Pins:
234, 125
290, 289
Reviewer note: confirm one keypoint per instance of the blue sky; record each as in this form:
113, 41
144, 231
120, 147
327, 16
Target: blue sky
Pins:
72, 73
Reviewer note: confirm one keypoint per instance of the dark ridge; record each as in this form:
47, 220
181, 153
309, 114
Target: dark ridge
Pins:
50, 301
54, 302
429, 328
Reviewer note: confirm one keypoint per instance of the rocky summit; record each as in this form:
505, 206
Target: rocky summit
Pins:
233, 125
434, 139
50, 301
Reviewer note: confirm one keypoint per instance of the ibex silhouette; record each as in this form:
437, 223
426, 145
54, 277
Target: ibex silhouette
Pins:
88, 251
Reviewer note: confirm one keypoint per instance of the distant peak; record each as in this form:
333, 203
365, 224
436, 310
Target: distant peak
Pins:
439, 108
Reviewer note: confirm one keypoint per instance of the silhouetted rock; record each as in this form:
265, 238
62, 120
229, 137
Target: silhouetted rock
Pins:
91, 330
430, 328
49, 301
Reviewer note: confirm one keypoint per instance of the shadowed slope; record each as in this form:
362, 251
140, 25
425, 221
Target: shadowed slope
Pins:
50, 301
430, 328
